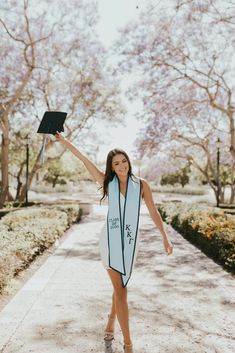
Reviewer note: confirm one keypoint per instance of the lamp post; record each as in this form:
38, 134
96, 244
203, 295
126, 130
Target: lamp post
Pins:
27, 170
218, 144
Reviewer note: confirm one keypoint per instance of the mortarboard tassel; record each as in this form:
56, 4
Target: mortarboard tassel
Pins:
42, 151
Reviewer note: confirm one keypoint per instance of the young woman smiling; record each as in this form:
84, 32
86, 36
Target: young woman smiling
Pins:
119, 237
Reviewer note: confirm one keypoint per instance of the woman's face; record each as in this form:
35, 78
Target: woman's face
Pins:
120, 165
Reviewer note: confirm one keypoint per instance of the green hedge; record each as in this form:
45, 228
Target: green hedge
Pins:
210, 229
177, 189
27, 232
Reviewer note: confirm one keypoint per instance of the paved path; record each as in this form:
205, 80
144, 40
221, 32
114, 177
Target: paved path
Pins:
182, 303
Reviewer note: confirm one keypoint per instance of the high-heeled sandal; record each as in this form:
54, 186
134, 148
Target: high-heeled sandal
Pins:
128, 348
108, 346
109, 335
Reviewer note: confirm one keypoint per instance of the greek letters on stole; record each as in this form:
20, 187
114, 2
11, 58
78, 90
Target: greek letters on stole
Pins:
122, 233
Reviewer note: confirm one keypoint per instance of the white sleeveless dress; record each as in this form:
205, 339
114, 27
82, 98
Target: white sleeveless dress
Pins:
103, 240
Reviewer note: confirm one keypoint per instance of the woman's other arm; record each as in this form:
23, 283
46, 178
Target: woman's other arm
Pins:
91, 167
156, 217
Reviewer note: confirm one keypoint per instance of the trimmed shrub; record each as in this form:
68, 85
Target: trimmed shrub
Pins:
26, 233
187, 190
210, 229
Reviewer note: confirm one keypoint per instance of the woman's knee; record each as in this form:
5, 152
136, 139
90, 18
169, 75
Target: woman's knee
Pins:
121, 294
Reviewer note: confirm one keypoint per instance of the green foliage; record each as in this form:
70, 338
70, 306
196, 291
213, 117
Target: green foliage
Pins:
60, 171
180, 177
188, 190
26, 233
210, 229
226, 177
57, 174
80, 173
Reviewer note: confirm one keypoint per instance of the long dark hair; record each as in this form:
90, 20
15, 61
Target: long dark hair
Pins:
109, 173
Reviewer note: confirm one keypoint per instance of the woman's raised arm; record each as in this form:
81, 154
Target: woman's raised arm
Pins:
91, 167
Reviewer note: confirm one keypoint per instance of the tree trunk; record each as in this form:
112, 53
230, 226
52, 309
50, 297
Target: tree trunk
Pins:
33, 172
22, 193
19, 182
232, 134
222, 195
232, 195
55, 181
5, 166
5, 125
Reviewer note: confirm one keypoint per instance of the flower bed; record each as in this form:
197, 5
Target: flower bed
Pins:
26, 233
210, 229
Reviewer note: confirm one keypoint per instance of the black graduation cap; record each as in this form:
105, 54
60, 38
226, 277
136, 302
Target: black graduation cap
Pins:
51, 122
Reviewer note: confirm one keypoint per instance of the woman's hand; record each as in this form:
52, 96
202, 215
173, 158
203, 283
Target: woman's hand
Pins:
59, 136
168, 246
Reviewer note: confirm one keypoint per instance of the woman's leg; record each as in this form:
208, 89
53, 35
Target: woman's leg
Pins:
120, 297
112, 317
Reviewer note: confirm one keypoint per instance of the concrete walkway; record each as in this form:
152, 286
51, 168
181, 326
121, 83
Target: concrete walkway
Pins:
182, 303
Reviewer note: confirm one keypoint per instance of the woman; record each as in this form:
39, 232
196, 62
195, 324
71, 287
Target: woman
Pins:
119, 239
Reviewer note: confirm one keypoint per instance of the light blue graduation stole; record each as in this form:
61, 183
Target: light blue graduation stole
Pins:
122, 231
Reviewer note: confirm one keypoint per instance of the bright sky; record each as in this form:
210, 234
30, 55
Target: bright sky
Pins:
113, 15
